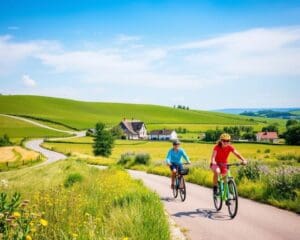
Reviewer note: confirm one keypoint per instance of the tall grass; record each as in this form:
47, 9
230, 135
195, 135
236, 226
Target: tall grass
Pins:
98, 204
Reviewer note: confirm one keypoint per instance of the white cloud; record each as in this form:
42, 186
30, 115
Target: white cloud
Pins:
28, 81
254, 53
12, 53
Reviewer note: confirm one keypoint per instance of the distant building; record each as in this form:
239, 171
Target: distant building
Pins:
270, 137
134, 129
90, 132
164, 134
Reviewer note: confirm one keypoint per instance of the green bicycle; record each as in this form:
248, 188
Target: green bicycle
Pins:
227, 193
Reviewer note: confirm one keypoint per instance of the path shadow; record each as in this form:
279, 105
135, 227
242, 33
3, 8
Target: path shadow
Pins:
205, 213
168, 199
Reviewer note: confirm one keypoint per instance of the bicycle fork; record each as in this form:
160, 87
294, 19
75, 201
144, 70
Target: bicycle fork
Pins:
224, 189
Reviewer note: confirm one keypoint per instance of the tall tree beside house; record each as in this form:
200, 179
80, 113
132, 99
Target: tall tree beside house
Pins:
117, 132
292, 134
103, 141
270, 128
291, 122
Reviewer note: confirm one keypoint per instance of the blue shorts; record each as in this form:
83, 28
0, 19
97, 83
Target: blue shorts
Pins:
174, 166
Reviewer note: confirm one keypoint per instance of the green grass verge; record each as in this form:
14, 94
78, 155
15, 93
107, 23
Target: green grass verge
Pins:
92, 203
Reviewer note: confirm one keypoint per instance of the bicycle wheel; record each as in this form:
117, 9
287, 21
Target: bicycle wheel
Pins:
232, 202
175, 188
218, 199
182, 189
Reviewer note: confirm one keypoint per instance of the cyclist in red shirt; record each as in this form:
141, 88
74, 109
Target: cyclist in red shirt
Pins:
220, 156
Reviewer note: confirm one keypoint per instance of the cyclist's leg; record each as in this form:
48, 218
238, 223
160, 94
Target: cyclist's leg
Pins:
216, 170
180, 168
173, 174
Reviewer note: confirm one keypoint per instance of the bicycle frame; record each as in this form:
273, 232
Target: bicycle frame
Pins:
224, 185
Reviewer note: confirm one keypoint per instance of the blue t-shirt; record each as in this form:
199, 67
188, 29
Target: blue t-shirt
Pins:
175, 156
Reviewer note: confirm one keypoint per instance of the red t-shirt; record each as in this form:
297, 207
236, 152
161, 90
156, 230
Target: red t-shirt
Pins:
223, 153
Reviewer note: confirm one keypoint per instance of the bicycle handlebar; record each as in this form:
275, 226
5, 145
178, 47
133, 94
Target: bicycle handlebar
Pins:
234, 164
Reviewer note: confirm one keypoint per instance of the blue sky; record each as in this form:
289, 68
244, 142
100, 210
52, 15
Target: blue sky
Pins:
205, 54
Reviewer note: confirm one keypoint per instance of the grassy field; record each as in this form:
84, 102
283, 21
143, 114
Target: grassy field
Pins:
19, 129
157, 150
15, 156
93, 204
84, 115
278, 164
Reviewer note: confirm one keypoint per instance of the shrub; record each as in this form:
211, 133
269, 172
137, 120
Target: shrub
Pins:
130, 159
72, 179
4, 141
268, 150
127, 159
142, 158
251, 171
282, 184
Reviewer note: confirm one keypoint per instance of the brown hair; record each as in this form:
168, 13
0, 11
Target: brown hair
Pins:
219, 143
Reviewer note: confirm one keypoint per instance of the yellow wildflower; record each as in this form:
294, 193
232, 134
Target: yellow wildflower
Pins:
28, 237
44, 222
74, 235
16, 214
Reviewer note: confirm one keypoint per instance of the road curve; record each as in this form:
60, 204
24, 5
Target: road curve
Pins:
34, 144
254, 221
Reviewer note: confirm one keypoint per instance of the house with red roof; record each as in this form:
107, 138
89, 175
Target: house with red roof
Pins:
269, 137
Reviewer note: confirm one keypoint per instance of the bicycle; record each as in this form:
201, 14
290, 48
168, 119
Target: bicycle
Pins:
227, 193
179, 183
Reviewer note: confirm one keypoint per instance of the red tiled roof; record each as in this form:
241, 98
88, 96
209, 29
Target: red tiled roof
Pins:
267, 135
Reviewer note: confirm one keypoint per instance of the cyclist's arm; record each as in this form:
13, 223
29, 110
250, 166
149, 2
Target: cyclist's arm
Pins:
185, 156
239, 156
213, 157
168, 158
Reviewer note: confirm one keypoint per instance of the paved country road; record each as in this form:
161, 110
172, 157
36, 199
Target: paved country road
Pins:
254, 221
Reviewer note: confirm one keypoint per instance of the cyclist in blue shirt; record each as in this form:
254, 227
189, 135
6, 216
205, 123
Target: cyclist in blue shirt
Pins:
173, 159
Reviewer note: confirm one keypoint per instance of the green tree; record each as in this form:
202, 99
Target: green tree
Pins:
117, 132
292, 135
291, 122
270, 128
103, 141
212, 135
4, 141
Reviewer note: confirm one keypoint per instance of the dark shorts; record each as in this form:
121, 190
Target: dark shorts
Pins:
174, 166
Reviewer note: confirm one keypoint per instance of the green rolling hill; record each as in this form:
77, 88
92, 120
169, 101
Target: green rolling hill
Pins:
15, 128
82, 115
